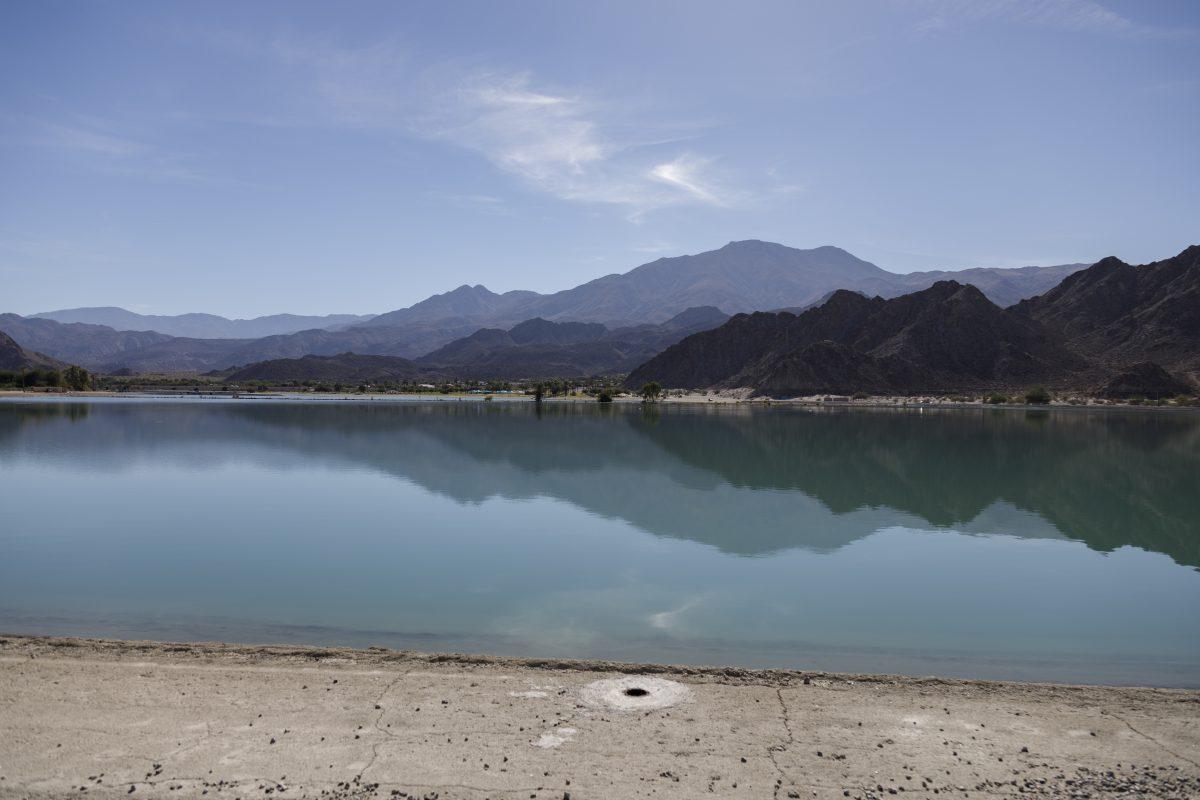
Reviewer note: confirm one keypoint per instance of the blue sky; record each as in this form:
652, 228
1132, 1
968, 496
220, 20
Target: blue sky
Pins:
251, 158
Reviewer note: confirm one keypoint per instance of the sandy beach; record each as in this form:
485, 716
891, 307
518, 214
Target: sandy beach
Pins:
86, 717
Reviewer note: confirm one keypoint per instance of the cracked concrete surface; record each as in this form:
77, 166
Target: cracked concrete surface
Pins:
87, 717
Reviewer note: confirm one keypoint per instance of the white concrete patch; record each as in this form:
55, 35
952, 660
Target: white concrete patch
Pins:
555, 737
634, 693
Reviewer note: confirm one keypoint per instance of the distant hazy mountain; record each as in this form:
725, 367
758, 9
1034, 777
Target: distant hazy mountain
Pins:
1002, 285
201, 326
13, 357
465, 302
91, 346
103, 349
741, 276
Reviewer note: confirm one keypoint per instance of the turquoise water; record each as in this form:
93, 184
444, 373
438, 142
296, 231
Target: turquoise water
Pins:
1048, 545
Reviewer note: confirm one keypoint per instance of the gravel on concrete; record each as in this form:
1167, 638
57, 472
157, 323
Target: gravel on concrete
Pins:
99, 718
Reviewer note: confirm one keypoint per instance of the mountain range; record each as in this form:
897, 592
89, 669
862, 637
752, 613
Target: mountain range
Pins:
202, 326
1111, 317
748, 275
536, 348
739, 277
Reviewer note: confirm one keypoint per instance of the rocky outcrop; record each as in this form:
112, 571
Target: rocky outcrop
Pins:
1121, 315
949, 337
1147, 380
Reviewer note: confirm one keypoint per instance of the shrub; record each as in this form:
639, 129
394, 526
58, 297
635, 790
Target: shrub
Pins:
860, 396
1037, 396
605, 396
995, 399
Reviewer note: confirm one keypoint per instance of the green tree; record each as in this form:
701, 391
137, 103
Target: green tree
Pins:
77, 379
651, 391
605, 396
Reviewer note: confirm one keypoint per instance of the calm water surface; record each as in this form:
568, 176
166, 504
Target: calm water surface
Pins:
978, 543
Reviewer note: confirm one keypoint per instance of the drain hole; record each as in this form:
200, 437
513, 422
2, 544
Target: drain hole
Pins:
636, 692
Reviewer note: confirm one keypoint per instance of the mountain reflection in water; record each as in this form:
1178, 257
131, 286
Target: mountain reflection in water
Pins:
982, 543
747, 480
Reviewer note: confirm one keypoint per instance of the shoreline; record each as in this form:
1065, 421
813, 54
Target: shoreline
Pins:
106, 717
725, 398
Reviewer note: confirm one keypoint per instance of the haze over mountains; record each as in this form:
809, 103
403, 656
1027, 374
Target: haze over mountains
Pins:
201, 326
740, 277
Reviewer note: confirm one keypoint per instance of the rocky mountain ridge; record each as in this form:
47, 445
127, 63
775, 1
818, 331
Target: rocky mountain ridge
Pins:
950, 337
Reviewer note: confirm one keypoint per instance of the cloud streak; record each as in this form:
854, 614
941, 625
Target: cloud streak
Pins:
558, 142
686, 173
1085, 16
104, 147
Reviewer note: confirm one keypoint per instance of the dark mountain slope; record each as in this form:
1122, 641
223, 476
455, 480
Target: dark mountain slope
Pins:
1004, 286
347, 367
538, 348
1121, 315
541, 331
1147, 380
948, 337
14, 358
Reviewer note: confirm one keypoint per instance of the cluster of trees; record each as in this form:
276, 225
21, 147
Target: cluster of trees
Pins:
74, 378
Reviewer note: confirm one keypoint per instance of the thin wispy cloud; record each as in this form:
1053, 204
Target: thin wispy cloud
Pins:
482, 203
1085, 16
686, 173
102, 146
653, 247
555, 140
564, 144
550, 140
88, 141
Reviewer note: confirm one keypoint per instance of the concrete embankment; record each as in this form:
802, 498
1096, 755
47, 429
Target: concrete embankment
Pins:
86, 718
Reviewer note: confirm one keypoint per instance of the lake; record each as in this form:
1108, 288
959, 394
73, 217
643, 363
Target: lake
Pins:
1059, 545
